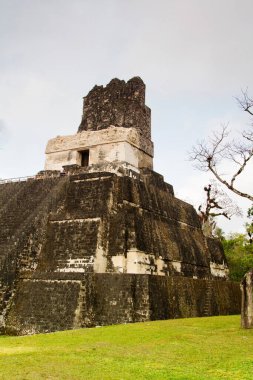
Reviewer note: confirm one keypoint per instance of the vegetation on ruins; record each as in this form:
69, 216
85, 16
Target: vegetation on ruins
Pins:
192, 349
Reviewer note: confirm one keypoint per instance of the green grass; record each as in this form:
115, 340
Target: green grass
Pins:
196, 348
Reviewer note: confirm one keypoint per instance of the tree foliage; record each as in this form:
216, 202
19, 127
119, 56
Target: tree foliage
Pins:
239, 253
249, 226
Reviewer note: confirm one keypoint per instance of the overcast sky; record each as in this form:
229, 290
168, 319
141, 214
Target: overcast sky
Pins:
195, 56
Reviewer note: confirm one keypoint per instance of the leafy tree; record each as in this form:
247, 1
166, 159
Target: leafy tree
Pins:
249, 226
239, 253
218, 233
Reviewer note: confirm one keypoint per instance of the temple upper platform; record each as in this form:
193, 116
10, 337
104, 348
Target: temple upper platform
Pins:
115, 129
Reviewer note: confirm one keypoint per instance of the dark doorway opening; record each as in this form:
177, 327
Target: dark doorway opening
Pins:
85, 158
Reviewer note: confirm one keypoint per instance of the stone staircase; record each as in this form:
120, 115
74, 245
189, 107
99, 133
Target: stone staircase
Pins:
208, 300
23, 218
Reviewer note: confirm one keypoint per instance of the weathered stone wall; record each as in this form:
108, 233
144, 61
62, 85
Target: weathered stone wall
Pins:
69, 301
24, 210
79, 251
247, 300
114, 144
121, 104
109, 223
43, 306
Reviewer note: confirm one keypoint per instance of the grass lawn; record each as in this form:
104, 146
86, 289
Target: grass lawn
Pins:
196, 348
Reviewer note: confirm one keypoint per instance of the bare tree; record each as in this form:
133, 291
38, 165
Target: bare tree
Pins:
209, 155
217, 203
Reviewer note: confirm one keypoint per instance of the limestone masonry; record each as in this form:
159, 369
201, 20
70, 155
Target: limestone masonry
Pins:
98, 237
115, 128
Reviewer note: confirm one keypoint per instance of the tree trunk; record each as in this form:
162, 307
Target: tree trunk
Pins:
247, 300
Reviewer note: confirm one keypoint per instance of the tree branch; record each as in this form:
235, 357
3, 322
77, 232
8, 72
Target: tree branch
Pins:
208, 155
245, 102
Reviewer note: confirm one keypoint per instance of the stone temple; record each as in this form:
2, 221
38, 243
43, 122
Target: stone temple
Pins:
98, 237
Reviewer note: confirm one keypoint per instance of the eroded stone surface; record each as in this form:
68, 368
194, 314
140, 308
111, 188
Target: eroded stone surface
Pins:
64, 229
49, 304
118, 145
247, 300
121, 104
115, 128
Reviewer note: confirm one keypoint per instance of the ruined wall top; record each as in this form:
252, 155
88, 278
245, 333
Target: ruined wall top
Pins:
120, 103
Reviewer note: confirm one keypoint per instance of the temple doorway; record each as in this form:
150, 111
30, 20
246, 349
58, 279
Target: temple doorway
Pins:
85, 158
